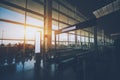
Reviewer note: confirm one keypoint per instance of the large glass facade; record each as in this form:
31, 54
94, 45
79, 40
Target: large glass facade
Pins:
62, 16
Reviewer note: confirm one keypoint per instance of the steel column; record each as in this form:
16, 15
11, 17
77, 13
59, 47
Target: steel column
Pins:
47, 25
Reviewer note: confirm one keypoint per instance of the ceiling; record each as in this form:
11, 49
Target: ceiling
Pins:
109, 23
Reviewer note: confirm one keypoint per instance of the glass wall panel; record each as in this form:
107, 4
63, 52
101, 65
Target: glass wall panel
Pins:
11, 31
34, 20
8, 14
35, 6
82, 39
16, 2
63, 37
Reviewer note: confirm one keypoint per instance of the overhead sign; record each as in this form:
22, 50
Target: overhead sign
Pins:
37, 43
69, 29
87, 23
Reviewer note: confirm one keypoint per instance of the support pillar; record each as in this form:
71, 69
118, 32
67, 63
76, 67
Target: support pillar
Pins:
76, 39
103, 37
58, 25
89, 39
47, 25
104, 41
80, 39
68, 38
95, 39
24, 45
55, 40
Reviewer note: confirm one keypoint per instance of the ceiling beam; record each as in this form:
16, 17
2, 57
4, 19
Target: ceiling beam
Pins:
108, 9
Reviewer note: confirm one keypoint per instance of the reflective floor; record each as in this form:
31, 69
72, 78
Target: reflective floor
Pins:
105, 66
46, 71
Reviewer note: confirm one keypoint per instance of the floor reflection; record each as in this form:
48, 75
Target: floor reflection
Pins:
27, 65
66, 68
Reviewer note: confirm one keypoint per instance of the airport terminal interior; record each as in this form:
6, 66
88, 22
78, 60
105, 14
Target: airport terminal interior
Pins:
59, 39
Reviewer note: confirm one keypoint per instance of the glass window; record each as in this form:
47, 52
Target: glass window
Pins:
63, 37
71, 37
12, 30
11, 15
82, 38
